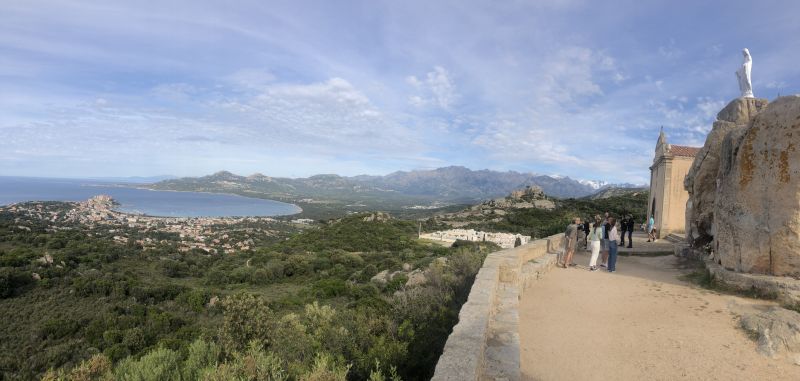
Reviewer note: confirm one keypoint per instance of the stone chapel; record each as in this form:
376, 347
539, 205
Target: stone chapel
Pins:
667, 203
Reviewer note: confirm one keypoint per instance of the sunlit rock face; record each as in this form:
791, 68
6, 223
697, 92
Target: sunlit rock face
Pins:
701, 180
756, 211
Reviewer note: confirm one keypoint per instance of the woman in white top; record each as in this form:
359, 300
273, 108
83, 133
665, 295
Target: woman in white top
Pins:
595, 236
613, 237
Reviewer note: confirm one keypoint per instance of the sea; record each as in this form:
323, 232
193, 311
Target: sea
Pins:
141, 201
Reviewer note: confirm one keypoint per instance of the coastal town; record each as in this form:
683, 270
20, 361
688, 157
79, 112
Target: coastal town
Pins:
215, 235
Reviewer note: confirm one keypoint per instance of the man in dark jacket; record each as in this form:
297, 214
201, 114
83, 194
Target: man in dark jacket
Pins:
629, 229
622, 226
586, 234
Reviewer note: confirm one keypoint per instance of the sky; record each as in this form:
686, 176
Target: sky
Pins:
296, 88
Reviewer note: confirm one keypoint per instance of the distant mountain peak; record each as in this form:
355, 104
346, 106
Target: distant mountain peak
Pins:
595, 184
453, 184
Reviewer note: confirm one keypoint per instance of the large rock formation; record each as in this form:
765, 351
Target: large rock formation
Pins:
757, 209
701, 181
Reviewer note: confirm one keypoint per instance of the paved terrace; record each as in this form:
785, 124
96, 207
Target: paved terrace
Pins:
526, 319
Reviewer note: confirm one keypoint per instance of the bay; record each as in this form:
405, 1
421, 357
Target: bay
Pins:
141, 201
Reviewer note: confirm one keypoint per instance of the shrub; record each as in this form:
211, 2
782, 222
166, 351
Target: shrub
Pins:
202, 354
96, 368
158, 364
58, 328
245, 318
326, 369
329, 288
254, 364
11, 280
174, 269
194, 299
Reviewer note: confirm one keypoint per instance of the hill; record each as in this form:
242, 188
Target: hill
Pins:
539, 217
395, 191
616, 192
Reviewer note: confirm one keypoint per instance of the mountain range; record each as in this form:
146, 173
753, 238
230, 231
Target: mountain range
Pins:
448, 184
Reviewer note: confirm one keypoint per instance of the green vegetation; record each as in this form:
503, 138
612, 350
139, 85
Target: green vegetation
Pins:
540, 223
78, 306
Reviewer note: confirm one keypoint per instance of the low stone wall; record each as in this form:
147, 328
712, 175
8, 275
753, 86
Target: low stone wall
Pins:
785, 289
484, 345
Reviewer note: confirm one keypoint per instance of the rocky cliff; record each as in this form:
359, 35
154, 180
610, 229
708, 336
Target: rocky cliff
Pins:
701, 181
745, 187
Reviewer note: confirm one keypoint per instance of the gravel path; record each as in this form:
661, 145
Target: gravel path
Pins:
639, 323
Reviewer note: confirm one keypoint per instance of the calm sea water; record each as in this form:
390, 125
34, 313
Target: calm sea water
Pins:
153, 203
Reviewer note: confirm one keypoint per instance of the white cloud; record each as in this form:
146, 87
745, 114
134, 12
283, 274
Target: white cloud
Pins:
436, 89
775, 85
570, 75
670, 51
251, 78
174, 91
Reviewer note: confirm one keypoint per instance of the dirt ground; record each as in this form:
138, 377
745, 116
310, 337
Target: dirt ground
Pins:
639, 323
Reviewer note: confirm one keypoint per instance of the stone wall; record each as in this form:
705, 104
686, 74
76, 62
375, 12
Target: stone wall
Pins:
484, 345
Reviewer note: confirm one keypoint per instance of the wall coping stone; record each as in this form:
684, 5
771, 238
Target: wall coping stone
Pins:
484, 345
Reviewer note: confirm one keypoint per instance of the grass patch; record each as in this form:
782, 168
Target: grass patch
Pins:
792, 306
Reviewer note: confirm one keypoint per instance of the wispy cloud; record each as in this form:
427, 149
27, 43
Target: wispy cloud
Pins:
297, 88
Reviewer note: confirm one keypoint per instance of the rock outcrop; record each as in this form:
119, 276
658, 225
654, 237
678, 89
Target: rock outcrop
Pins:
701, 181
757, 208
777, 331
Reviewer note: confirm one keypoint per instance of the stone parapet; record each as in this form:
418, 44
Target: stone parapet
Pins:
785, 289
484, 345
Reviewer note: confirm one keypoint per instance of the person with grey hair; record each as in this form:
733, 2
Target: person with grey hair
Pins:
570, 242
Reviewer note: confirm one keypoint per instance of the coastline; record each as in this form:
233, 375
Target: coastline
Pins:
94, 188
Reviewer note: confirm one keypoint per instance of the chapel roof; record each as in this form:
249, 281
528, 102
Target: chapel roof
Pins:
687, 151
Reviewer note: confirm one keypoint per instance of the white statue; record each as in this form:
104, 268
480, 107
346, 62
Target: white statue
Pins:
743, 75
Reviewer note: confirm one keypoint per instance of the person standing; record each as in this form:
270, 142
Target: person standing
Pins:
623, 226
570, 242
604, 244
595, 236
629, 229
586, 229
651, 227
612, 245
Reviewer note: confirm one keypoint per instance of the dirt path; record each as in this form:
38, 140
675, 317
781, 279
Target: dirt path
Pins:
639, 323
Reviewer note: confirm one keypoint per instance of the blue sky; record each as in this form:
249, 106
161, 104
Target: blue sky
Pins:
294, 88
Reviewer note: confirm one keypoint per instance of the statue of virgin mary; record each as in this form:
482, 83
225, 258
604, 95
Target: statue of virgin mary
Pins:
743, 75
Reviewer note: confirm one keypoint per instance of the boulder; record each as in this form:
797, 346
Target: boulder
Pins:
416, 278
382, 277
544, 204
741, 110
757, 209
377, 217
777, 330
701, 180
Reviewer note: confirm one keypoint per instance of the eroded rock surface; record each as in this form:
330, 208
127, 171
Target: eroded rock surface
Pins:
701, 181
756, 211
